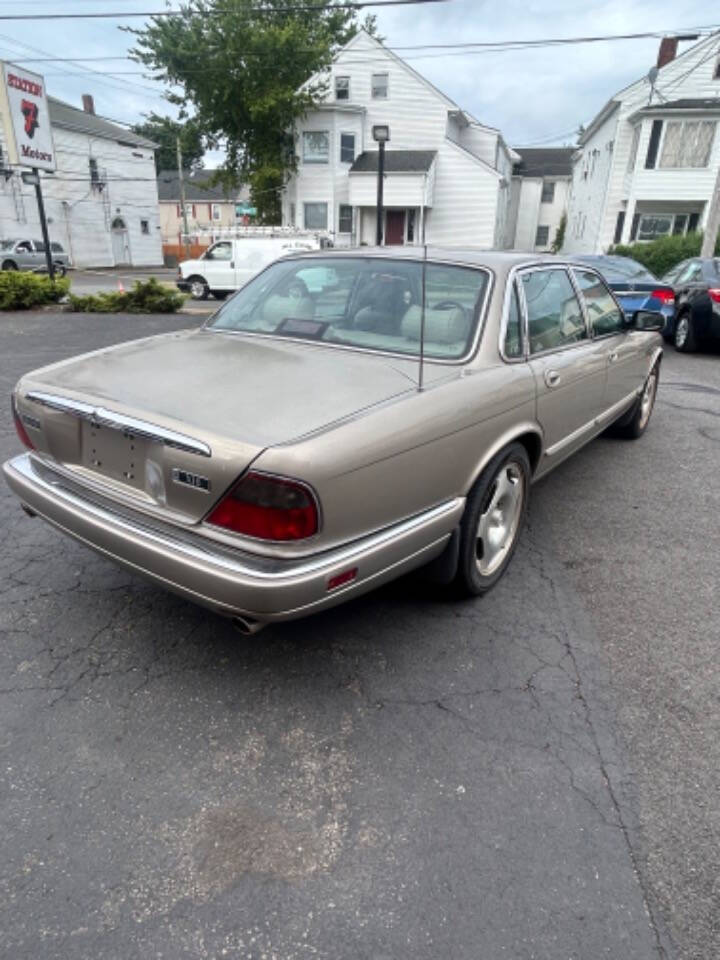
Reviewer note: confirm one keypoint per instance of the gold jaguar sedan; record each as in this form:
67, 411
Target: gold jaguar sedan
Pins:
344, 418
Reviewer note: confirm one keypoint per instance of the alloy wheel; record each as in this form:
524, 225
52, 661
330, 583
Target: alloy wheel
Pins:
682, 329
648, 399
500, 517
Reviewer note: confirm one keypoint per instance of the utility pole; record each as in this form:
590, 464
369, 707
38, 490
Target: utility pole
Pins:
32, 178
712, 225
182, 197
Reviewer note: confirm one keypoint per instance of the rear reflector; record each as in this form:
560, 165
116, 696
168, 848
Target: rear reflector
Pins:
667, 296
20, 426
340, 579
714, 294
268, 508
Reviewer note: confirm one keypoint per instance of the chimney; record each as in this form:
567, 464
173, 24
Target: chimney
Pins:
89, 103
667, 51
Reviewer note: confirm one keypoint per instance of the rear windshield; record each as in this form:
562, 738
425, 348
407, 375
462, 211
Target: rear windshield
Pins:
367, 302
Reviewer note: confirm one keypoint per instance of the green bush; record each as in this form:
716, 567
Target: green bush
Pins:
20, 290
147, 297
662, 254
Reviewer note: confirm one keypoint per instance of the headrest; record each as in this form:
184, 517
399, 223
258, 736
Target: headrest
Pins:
277, 308
441, 326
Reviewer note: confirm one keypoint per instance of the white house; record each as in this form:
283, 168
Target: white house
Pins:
646, 165
101, 203
447, 175
539, 195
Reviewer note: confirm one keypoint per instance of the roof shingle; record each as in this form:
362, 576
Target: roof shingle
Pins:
396, 161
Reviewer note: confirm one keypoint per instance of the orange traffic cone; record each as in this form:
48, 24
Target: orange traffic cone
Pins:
121, 288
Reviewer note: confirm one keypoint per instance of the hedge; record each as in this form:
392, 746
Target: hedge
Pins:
662, 254
20, 290
147, 297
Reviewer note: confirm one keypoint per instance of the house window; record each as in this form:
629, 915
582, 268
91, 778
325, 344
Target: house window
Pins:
687, 143
548, 191
316, 215
347, 147
145, 226
653, 225
345, 219
653, 144
379, 86
632, 159
411, 226
542, 235
216, 211
316, 146
94, 172
342, 88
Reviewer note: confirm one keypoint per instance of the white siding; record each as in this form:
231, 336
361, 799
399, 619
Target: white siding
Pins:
78, 215
592, 167
465, 201
529, 190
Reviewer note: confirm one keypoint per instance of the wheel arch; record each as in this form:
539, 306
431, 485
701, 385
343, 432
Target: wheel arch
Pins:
528, 434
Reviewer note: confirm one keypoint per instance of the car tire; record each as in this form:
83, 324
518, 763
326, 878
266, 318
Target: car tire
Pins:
199, 289
634, 424
493, 519
9, 265
685, 337
220, 294
60, 269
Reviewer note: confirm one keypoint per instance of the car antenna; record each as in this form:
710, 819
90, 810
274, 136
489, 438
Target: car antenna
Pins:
422, 321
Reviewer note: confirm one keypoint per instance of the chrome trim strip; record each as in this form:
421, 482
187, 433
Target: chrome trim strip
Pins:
118, 421
608, 414
261, 568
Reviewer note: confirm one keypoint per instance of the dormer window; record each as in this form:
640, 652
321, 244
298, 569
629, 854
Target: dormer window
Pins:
342, 88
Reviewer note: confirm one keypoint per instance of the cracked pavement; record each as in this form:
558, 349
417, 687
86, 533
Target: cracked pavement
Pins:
531, 775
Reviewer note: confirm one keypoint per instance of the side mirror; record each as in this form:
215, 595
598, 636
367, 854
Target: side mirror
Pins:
646, 320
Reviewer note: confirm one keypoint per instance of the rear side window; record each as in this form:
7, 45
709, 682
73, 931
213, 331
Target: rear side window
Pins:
555, 319
512, 347
604, 314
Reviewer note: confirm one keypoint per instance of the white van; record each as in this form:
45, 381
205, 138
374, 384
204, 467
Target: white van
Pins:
227, 265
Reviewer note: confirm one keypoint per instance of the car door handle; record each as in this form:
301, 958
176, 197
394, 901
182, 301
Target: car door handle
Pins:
612, 356
232, 264
552, 378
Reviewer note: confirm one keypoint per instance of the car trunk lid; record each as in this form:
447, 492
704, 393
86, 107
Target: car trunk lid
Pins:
174, 420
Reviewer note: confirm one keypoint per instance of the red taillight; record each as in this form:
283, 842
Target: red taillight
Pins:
667, 296
20, 426
268, 508
714, 294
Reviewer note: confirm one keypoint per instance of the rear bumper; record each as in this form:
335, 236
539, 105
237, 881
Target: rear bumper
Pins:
229, 581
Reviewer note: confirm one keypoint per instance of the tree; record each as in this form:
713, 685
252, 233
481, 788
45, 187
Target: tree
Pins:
559, 239
239, 65
165, 131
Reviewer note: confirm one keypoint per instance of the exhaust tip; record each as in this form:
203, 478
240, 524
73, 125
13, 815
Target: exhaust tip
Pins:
246, 626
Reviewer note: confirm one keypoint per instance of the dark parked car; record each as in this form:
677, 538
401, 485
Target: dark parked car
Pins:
635, 287
697, 301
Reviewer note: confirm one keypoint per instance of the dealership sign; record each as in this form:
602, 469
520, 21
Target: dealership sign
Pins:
25, 117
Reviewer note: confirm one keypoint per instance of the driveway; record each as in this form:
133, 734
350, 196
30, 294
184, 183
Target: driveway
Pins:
531, 775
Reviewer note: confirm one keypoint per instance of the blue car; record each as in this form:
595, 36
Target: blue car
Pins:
635, 288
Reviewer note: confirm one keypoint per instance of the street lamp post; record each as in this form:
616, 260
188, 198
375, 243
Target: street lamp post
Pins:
381, 135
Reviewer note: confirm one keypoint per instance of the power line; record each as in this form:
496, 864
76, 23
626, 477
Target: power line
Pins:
125, 14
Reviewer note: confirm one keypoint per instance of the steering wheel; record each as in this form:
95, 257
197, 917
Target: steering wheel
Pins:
449, 305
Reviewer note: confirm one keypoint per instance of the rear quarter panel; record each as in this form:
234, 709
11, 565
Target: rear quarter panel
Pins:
410, 454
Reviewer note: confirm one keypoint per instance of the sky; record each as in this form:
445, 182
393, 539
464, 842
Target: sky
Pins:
533, 96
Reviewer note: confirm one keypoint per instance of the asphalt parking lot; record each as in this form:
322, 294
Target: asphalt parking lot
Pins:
531, 775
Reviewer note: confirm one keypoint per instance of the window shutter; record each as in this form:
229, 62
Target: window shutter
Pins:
193, 211
209, 211
635, 225
653, 145
619, 224
179, 211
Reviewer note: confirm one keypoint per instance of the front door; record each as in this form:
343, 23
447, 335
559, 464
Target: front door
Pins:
394, 227
569, 367
624, 354
120, 243
219, 267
